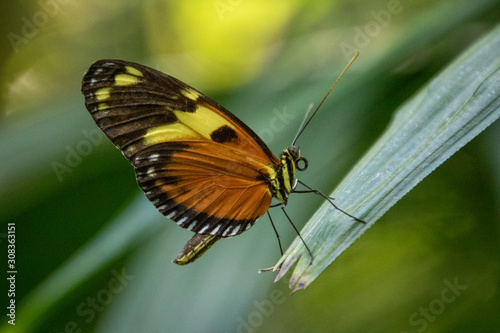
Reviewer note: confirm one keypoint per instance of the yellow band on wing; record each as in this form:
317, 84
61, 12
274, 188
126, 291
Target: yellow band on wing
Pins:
189, 125
102, 94
170, 132
125, 80
133, 71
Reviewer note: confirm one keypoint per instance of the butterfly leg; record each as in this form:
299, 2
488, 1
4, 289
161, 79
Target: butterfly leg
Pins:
298, 233
276, 232
310, 190
279, 243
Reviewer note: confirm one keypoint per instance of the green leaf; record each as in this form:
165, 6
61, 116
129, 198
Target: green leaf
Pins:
449, 112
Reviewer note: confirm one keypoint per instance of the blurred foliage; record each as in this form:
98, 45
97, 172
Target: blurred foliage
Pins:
78, 230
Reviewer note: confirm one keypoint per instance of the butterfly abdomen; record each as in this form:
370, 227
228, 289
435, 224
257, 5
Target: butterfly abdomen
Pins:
195, 247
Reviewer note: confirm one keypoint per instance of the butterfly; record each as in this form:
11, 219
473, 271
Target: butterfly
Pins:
196, 162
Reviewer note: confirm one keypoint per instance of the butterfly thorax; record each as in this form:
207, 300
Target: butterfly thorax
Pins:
284, 182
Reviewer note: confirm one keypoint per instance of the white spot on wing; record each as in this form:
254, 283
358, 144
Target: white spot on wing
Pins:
154, 157
204, 228
192, 225
226, 232
249, 225
172, 214
216, 230
235, 230
181, 221
151, 172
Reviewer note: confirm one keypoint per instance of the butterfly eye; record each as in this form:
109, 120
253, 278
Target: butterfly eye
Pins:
301, 159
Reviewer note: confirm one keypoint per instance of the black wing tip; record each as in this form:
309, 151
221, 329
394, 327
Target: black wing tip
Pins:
98, 68
108, 62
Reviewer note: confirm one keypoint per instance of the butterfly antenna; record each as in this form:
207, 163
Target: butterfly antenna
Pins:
302, 126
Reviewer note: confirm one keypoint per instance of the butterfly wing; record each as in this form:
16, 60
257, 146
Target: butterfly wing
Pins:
199, 164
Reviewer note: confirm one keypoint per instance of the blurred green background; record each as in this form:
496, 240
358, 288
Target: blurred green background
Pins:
92, 254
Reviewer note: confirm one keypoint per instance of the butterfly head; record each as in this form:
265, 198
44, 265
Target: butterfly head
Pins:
292, 154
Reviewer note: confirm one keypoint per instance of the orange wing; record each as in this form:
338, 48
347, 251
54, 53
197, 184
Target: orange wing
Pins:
202, 187
199, 164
